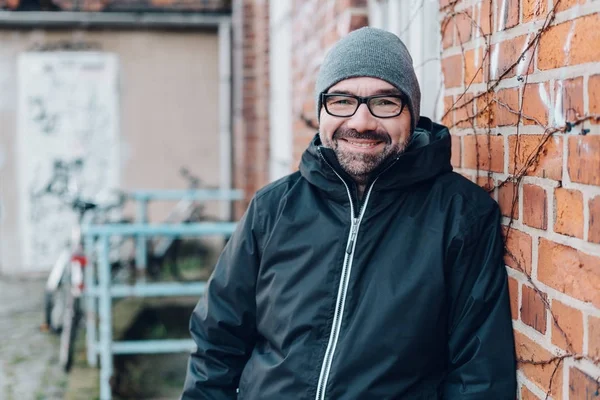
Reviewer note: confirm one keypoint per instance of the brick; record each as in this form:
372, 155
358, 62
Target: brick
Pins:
536, 103
507, 14
455, 151
482, 16
485, 152
545, 162
513, 292
329, 38
534, 10
506, 107
452, 69
448, 114
582, 386
463, 111
484, 110
584, 159
474, 69
571, 91
512, 59
568, 209
566, 4
533, 309
583, 34
570, 320
594, 337
535, 206
594, 94
542, 375
464, 26
594, 228
569, 271
508, 200
486, 183
518, 250
448, 28
358, 21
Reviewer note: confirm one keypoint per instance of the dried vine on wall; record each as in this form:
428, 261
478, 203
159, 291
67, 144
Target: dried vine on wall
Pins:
531, 159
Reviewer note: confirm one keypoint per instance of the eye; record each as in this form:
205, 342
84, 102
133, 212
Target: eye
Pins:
386, 101
340, 101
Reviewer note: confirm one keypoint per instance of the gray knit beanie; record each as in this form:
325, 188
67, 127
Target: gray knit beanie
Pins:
374, 53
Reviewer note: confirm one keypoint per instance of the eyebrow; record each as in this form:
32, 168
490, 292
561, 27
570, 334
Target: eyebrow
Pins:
391, 92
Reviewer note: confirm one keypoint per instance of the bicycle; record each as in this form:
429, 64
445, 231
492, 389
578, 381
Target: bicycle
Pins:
168, 249
65, 284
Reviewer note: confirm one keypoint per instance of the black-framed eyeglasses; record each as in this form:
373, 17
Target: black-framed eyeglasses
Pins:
346, 105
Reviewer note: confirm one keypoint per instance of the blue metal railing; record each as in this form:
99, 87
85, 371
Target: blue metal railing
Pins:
143, 197
99, 295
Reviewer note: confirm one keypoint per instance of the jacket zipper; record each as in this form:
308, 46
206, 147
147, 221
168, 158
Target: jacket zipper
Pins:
343, 288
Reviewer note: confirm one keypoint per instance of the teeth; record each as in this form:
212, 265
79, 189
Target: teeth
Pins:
362, 144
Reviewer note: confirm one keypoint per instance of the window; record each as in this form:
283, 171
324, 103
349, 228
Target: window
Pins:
417, 23
280, 107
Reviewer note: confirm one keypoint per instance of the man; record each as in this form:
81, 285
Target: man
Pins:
374, 272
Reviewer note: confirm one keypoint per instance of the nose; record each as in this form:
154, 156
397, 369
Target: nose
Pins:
362, 120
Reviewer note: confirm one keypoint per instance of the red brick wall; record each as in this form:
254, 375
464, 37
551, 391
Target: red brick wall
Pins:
522, 84
250, 97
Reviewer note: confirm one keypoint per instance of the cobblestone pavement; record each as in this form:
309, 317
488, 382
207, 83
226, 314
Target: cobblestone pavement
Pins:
28, 357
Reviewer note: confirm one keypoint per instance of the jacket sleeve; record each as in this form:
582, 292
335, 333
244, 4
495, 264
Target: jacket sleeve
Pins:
481, 354
223, 322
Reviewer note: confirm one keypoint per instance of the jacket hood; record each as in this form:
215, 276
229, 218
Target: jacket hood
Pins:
427, 156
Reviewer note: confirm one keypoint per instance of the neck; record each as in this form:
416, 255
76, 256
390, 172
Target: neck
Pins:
361, 190
361, 184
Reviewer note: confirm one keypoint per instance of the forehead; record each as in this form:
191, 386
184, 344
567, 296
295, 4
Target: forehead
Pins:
362, 85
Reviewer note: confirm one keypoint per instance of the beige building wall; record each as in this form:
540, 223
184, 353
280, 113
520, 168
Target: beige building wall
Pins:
168, 115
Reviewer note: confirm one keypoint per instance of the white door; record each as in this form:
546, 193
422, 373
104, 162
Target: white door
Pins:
67, 110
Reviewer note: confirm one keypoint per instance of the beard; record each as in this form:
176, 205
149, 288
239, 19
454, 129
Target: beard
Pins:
360, 166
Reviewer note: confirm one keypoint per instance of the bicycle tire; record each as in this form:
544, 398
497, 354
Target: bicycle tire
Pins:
69, 333
54, 308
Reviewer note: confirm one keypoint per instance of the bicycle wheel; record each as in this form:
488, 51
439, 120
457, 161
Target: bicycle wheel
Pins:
54, 308
56, 294
68, 335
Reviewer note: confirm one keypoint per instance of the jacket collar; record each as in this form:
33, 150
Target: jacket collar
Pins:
427, 156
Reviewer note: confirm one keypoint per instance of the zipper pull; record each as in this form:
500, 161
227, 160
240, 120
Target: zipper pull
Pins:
354, 229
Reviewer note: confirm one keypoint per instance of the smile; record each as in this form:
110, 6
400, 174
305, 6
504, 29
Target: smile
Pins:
362, 144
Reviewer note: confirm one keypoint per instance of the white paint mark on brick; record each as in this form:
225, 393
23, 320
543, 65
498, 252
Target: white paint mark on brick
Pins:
544, 97
494, 61
501, 19
477, 31
558, 119
523, 62
567, 47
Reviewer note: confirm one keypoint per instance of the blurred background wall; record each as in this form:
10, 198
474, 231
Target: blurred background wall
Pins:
137, 104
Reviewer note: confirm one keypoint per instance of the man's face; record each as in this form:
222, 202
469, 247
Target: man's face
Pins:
362, 142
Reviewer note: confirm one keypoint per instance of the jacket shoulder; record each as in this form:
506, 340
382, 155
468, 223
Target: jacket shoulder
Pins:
464, 196
269, 199
276, 189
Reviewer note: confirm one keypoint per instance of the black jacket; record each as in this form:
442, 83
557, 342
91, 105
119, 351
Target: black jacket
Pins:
402, 295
